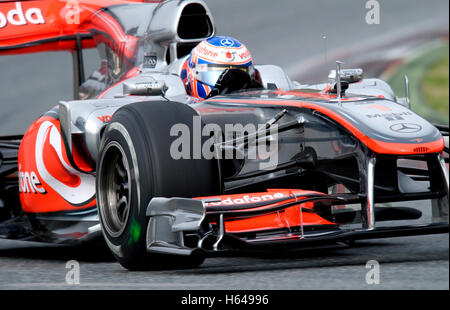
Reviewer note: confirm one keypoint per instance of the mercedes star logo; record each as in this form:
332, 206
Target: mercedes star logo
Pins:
406, 127
227, 42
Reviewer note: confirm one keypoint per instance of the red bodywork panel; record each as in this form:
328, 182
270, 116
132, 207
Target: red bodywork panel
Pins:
52, 25
47, 180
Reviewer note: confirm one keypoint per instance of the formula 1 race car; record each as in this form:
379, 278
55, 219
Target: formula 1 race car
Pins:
165, 180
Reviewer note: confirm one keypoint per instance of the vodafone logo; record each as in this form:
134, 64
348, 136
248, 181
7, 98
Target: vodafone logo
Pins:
29, 182
104, 118
19, 17
245, 199
80, 193
206, 52
245, 55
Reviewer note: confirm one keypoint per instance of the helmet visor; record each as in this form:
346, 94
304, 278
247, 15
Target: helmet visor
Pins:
210, 73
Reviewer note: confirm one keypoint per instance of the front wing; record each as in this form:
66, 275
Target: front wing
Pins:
182, 226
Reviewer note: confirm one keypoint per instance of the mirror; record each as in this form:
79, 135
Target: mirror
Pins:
347, 75
150, 88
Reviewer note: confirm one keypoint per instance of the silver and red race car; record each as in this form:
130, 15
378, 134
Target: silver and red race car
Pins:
166, 180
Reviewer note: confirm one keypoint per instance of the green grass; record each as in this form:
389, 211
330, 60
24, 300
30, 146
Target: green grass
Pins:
426, 70
435, 87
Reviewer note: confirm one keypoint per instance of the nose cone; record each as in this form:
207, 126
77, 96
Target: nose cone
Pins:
390, 127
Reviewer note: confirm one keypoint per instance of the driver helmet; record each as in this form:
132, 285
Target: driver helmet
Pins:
209, 59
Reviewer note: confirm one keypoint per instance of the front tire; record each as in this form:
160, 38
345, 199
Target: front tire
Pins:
134, 166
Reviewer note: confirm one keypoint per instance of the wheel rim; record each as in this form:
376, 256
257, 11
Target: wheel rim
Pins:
114, 189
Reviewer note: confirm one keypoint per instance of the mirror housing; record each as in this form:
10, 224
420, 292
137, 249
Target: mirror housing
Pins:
347, 75
150, 88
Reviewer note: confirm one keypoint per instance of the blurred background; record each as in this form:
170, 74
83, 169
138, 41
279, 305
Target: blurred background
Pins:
303, 37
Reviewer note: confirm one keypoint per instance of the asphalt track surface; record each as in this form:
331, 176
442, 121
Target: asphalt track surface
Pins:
286, 33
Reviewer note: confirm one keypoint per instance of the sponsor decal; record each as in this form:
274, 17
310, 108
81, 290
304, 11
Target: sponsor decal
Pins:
104, 118
30, 183
395, 116
230, 55
240, 54
406, 127
19, 17
150, 62
76, 194
227, 43
378, 107
245, 55
246, 199
203, 50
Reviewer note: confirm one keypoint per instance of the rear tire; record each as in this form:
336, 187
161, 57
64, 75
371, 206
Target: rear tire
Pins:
134, 166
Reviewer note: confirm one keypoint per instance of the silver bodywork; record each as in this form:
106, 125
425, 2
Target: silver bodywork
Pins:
88, 117
162, 82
